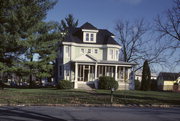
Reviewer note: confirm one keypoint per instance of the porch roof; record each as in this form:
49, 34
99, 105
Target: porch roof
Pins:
104, 62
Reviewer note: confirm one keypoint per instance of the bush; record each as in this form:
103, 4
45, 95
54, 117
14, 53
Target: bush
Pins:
1, 84
107, 82
65, 84
154, 86
137, 84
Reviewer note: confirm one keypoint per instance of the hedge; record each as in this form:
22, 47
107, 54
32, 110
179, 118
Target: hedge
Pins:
107, 82
65, 84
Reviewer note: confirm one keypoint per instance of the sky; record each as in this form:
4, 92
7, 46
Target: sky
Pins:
104, 14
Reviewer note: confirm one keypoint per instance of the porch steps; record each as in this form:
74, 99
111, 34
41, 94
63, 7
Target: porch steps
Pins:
85, 86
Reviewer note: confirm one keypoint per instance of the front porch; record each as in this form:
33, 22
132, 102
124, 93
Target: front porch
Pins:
88, 73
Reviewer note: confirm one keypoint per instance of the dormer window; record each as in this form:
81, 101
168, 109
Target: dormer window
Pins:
92, 37
87, 36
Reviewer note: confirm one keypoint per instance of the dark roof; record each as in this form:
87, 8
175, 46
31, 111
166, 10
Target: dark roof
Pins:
168, 76
103, 35
88, 26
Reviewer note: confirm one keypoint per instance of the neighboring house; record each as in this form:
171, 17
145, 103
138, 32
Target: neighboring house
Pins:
87, 53
166, 80
138, 75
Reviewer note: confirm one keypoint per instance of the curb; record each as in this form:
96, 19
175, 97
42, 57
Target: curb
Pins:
95, 105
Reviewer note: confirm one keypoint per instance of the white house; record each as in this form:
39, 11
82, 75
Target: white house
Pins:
86, 53
138, 75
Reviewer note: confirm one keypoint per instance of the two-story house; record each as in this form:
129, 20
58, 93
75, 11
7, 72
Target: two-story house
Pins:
86, 53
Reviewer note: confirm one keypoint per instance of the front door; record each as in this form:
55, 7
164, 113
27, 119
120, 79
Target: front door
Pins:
86, 75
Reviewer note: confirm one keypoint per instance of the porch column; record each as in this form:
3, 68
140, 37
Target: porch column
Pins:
76, 76
115, 73
95, 72
128, 73
124, 75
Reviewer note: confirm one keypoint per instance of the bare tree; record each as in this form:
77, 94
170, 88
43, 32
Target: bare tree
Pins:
168, 26
130, 37
137, 45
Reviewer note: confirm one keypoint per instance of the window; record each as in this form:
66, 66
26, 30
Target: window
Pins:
111, 53
89, 50
67, 51
87, 36
92, 37
95, 51
82, 50
117, 54
67, 70
60, 70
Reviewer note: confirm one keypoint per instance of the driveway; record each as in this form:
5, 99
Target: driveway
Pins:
50, 113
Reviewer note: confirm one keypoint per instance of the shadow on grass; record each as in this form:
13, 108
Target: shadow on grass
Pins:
15, 114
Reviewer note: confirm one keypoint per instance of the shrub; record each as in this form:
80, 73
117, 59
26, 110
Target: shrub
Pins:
65, 84
107, 82
154, 86
137, 84
1, 84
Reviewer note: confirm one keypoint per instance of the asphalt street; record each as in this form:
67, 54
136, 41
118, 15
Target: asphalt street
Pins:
50, 113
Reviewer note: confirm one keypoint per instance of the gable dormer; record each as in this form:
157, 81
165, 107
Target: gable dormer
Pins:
89, 33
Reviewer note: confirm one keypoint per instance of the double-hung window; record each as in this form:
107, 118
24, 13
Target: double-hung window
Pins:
68, 51
111, 53
87, 36
117, 54
92, 37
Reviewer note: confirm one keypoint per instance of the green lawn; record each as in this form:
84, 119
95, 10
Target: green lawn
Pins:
54, 96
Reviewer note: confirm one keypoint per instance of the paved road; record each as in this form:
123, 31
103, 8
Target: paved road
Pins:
45, 113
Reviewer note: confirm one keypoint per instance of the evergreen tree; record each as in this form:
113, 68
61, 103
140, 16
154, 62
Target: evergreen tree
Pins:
47, 49
22, 33
68, 23
146, 77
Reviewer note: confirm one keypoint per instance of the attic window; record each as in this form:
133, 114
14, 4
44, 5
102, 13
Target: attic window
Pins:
92, 37
87, 36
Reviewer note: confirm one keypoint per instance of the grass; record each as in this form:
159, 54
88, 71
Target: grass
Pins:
54, 96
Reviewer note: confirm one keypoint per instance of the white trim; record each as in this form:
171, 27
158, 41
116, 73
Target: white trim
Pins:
85, 62
91, 45
88, 30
